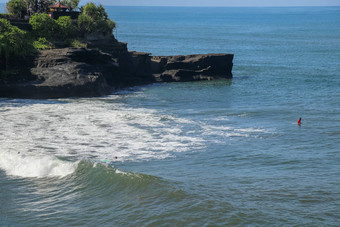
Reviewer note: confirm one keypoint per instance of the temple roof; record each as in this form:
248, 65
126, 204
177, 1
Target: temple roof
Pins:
59, 6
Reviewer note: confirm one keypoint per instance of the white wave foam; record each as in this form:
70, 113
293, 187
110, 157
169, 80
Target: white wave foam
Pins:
106, 130
117, 171
227, 131
250, 130
21, 165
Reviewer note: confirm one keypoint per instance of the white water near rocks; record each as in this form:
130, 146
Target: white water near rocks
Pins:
226, 153
102, 130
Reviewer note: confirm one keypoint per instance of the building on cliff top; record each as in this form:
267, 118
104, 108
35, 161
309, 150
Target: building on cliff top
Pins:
59, 10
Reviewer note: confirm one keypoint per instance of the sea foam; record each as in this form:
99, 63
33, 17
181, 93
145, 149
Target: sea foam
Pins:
38, 166
107, 131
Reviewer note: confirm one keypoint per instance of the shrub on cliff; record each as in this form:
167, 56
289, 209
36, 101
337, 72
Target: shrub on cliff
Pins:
95, 19
42, 44
73, 4
13, 43
77, 44
16, 7
85, 23
43, 26
40, 6
65, 28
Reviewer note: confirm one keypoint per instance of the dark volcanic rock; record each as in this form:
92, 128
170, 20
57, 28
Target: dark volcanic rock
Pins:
64, 73
193, 67
71, 72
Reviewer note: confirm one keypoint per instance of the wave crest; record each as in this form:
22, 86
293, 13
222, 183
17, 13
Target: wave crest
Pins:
38, 166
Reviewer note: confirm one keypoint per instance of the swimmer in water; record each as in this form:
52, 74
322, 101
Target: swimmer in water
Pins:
299, 121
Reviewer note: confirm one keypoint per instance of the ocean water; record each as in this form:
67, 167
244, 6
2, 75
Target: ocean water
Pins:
216, 153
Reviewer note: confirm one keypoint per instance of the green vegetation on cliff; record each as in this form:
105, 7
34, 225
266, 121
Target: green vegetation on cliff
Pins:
95, 19
73, 4
21, 8
43, 26
13, 43
16, 7
46, 31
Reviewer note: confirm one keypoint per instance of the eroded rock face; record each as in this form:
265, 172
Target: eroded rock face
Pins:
71, 72
193, 67
63, 73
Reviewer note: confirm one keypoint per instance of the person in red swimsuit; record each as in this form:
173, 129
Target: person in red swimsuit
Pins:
299, 121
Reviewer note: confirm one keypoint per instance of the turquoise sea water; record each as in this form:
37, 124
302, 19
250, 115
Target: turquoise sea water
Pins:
219, 153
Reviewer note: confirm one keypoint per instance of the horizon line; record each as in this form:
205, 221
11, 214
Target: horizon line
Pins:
214, 6
255, 6
250, 6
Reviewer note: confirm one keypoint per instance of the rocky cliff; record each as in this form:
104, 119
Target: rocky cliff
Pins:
192, 67
106, 66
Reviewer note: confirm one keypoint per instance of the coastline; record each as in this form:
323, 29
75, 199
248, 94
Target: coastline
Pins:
107, 65
223, 152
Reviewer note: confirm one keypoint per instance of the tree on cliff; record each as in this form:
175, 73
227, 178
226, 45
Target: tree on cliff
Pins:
73, 4
95, 19
16, 7
43, 26
20, 8
42, 6
13, 42
66, 29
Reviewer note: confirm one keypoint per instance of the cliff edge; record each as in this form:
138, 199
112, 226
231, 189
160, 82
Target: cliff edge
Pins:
105, 66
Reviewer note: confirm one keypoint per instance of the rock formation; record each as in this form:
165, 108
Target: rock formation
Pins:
192, 67
107, 65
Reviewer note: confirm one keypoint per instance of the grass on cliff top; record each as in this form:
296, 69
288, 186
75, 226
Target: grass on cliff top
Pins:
48, 33
77, 43
42, 44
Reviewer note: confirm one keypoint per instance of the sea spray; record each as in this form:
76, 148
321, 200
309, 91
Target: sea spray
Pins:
39, 166
105, 131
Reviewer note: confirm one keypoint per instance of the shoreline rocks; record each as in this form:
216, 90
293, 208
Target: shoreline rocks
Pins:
193, 67
97, 71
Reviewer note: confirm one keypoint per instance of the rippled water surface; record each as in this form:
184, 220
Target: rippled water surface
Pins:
221, 153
